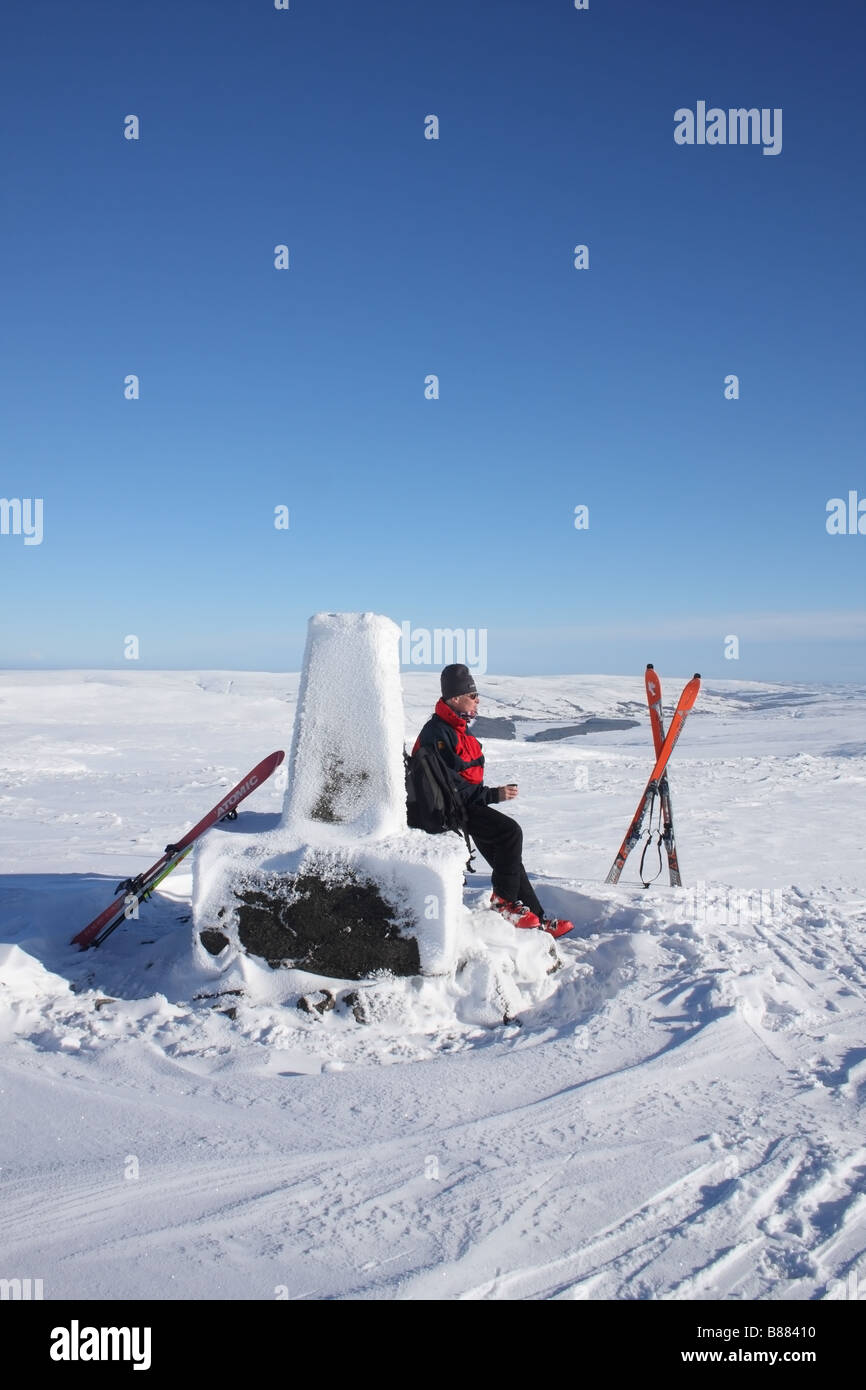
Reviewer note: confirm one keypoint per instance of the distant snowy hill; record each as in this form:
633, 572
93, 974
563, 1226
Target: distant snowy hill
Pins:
669, 1103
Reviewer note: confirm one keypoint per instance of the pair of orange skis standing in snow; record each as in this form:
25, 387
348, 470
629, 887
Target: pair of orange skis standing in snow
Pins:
657, 786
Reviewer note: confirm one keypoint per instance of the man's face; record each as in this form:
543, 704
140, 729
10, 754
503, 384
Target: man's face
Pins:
464, 704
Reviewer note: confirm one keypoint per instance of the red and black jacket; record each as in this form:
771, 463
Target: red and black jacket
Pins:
461, 753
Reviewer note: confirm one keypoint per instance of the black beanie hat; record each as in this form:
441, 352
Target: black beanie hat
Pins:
457, 680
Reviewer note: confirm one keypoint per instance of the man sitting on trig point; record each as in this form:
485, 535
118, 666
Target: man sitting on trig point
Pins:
499, 838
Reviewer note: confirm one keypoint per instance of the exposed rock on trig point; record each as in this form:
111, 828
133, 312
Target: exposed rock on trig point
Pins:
340, 887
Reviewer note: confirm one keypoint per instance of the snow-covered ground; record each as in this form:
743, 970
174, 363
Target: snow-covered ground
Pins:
669, 1103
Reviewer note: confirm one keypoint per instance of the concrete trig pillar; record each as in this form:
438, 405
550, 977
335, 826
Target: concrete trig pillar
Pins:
346, 759
341, 887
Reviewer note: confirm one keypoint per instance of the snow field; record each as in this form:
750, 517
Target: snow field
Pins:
675, 1112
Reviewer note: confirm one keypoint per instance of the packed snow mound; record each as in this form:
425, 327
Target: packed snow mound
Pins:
499, 975
28, 988
42, 1008
199, 1005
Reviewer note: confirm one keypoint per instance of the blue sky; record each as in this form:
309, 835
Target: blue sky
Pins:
409, 257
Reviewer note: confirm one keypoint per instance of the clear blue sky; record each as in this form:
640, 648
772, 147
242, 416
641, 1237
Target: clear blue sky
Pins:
408, 257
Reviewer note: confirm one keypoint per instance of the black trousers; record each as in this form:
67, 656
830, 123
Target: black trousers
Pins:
500, 840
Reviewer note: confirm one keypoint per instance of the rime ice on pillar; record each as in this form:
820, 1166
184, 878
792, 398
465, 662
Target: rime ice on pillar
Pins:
341, 887
346, 760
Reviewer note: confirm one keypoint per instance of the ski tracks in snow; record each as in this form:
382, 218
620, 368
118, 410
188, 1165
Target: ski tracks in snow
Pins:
653, 1137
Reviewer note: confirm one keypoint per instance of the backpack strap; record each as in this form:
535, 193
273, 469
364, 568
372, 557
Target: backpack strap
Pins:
435, 767
453, 798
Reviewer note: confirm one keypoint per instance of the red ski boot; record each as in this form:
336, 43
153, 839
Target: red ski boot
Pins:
515, 913
557, 926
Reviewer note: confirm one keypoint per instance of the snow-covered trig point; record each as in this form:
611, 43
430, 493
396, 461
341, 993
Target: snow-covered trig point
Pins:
340, 887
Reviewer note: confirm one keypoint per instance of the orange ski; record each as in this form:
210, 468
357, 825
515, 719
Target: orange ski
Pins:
654, 700
684, 706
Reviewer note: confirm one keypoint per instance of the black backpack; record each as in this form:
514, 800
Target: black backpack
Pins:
432, 804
